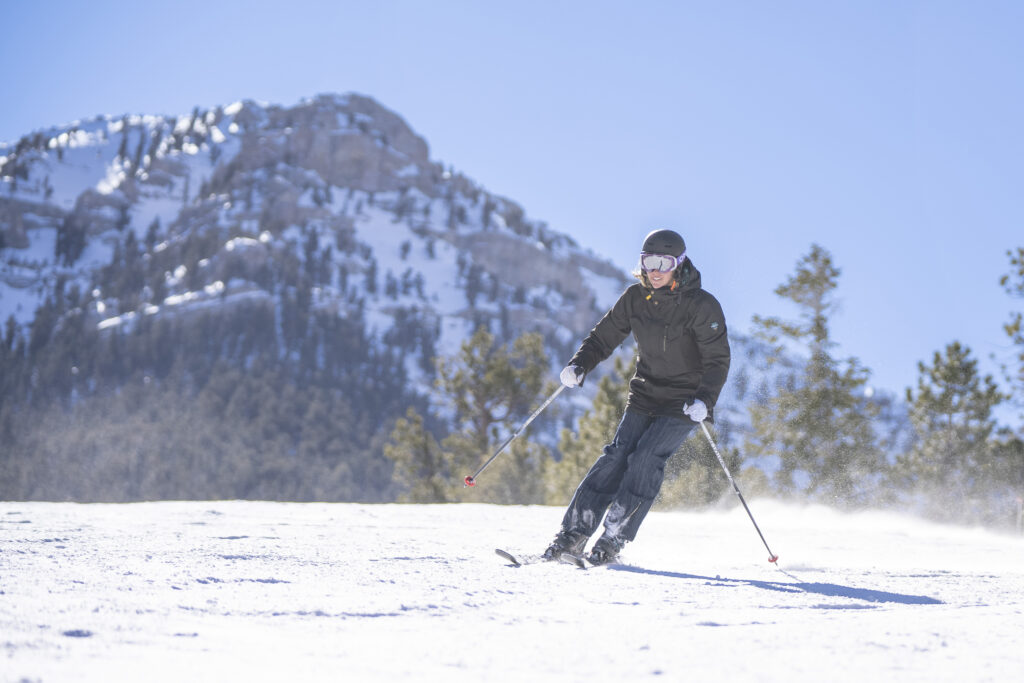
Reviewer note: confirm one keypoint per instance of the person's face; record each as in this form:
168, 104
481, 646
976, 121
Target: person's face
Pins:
659, 278
660, 268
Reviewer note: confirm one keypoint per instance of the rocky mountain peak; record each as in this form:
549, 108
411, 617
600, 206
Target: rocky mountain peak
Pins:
335, 195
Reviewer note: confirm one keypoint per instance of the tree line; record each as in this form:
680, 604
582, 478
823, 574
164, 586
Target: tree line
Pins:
271, 398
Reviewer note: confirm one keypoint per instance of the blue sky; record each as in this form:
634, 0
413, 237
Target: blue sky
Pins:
888, 132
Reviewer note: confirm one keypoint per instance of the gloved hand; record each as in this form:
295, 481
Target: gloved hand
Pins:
696, 411
572, 376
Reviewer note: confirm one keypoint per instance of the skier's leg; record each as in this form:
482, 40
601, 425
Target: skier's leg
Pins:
644, 475
604, 479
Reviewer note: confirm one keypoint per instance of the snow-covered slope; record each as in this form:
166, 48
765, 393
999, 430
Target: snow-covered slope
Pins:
215, 591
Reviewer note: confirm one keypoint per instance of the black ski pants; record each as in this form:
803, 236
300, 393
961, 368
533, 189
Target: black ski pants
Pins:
626, 479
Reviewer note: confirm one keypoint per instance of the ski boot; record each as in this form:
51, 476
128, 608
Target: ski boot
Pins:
605, 550
570, 542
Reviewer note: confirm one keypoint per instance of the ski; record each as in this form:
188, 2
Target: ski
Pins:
516, 562
573, 559
521, 560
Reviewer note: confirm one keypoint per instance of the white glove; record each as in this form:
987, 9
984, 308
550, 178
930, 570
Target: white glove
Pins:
696, 411
572, 376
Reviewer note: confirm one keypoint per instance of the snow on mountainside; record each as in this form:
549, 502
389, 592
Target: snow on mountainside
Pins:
213, 591
216, 199
224, 206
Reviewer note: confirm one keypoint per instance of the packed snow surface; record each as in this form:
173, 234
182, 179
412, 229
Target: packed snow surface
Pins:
214, 591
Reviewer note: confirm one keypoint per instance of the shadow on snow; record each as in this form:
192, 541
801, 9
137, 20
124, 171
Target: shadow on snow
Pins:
828, 589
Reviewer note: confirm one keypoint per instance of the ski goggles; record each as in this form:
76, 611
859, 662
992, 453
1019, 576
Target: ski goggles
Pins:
662, 263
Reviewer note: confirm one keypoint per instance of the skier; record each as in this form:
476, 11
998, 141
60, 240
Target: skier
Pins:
682, 362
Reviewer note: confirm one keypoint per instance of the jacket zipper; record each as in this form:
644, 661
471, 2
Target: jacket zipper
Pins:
664, 339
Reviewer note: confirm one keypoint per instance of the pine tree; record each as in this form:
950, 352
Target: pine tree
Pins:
1008, 471
488, 390
818, 422
492, 390
951, 461
1013, 283
421, 467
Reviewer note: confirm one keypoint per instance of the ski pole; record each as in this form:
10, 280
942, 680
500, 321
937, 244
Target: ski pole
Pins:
470, 480
772, 557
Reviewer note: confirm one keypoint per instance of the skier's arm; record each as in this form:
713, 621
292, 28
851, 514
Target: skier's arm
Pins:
606, 336
713, 344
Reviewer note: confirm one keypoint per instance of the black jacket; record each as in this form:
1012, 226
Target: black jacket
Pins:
682, 341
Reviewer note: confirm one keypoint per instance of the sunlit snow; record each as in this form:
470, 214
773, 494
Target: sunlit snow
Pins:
211, 591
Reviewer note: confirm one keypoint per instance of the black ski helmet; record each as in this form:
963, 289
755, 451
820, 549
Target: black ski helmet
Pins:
664, 242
